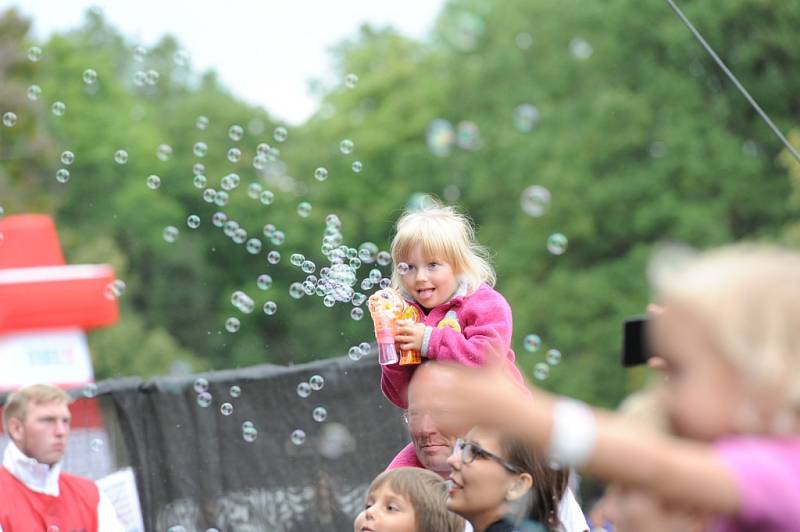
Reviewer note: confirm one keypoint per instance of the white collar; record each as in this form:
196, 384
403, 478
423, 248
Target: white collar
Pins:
36, 476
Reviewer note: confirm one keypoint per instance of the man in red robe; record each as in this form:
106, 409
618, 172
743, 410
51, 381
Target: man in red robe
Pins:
34, 493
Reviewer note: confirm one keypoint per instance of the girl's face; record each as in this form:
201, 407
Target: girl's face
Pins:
704, 393
478, 489
386, 511
430, 280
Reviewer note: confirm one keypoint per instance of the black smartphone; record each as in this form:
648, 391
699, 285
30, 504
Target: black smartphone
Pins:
635, 348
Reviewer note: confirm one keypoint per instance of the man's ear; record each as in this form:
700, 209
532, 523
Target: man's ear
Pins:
16, 428
520, 487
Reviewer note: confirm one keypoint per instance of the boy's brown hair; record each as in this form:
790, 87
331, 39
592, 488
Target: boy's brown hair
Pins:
427, 493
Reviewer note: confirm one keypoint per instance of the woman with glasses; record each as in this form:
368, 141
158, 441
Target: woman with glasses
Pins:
496, 483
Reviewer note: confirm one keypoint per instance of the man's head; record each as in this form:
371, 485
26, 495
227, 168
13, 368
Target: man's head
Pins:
37, 419
433, 447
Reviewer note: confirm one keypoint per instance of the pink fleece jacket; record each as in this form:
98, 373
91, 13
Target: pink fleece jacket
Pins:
484, 327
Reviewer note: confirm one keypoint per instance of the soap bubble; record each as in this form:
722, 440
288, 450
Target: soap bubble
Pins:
440, 137
235, 133
249, 434
9, 119
329, 300
346, 146
262, 149
384, 258
296, 290
243, 302
321, 174
267, 197
170, 233
34, 91
139, 78
526, 116
89, 76
121, 156
254, 246
308, 266
553, 357
114, 289
234, 155
96, 445
200, 181
204, 398
296, 259
232, 325
468, 135
58, 108
153, 182
357, 313
268, 230
235, 391
62, 175
201, 122
580, 49
264, 281
557, 243
365, 348
357, 166
219, 218
304, 209
34, 54
278, 238
350, 81
320, 414
200, 149
226, 409
304, 389
151, 77
354, 353
368, 252
209, 195
270, 308
532, 343
67, 157
164, 152
316, 382
298, 437
200, 385
541, 371
402, 268
273, 257
90, 390
535, 200
280, 134
254, 190
523, 40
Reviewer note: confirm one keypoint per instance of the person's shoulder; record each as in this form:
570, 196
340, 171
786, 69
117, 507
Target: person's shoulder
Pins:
486, 295
78, 481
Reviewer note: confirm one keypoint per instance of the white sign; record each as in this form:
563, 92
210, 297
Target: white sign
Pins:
58, 357
120, 488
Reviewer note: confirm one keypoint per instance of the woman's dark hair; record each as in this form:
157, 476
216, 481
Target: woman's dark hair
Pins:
549, 484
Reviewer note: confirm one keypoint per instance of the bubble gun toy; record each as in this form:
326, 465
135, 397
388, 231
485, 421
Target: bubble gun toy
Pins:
387, 308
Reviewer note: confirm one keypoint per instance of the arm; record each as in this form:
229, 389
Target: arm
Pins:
487, 331
394, 383
680, 471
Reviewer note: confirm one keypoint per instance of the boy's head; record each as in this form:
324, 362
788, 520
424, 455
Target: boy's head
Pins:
407, 499
37, 419
731, 336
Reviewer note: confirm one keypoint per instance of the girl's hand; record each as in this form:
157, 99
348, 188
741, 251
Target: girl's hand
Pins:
409, 336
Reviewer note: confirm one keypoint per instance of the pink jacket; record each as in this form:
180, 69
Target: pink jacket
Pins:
467, 329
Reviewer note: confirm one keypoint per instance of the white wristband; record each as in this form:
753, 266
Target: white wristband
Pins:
574, 433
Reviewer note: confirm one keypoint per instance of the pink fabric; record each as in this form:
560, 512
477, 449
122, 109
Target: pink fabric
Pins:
406, 458
486, 328
767, 471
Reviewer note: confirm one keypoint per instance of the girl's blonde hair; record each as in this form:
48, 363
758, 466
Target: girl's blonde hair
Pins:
427, 493
748, 297
442, 232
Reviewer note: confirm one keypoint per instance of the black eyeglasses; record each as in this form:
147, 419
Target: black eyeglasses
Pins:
469, 451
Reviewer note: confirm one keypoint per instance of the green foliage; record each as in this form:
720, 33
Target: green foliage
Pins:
641, 142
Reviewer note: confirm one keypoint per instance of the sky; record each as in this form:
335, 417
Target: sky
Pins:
264, 51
